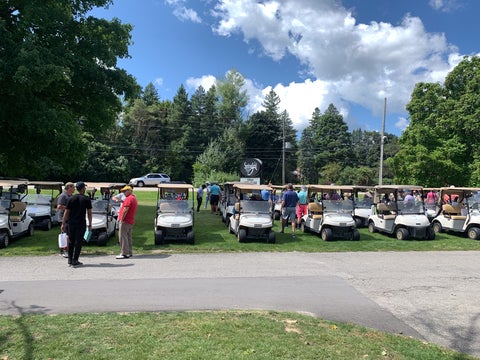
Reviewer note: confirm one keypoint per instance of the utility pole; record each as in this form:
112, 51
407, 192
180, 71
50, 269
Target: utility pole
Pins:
283, 152
382, 141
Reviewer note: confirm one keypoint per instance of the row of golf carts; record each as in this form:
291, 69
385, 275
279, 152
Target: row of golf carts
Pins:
22, 210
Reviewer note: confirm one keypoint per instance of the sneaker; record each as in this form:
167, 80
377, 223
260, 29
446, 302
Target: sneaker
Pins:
65, 254
280, 232
129, 256
121, 257
76, 263
293, 235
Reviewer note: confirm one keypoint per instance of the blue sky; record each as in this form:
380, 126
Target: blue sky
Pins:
352, 53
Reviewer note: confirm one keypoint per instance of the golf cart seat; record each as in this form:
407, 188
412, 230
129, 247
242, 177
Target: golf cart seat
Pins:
17, 211
455, 212
315, 210
385, 211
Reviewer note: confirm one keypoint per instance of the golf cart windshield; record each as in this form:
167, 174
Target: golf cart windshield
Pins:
474, 201
410, 207
4, 206
255, 206
337, 206
99, 206
38, 199
366, 203
173, 206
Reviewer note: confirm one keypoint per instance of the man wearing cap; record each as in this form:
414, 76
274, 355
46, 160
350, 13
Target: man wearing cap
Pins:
61, 206
78, 207
126, 220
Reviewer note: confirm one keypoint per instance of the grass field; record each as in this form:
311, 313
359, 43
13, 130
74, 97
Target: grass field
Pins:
211, 235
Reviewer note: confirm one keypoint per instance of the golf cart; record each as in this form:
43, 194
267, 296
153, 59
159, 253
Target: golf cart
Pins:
252, 218
103, 220
14, 220
459, 212
330, 214
227, 201
362, 205
403, 216
42, 207
277, 200
174, 213
432, 205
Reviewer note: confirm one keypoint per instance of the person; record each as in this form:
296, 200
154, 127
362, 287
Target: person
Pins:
200, 191
266, 195
126, 220
120, 197
431, 197
289, 205
61, 206
78, 208
207, 199
302, 203
409, 199
214, 197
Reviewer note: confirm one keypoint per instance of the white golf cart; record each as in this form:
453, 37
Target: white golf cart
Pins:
174, 213
103, 220
331, 213
431, 209
14, 220
363, 205
277, 200
227, 201
461, 213
252, 218
397, 212
42, 205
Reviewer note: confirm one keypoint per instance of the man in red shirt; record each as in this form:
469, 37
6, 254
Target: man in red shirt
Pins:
126, 220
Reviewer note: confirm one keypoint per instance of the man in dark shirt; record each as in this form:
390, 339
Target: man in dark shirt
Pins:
78, 207
289, 206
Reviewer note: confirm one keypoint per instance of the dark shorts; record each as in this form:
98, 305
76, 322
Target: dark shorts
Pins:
289, 213
214, 199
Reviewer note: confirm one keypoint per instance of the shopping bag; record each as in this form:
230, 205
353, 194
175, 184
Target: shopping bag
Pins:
87, 235
62, 240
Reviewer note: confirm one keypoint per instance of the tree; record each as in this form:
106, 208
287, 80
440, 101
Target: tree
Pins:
58, 79
232, 99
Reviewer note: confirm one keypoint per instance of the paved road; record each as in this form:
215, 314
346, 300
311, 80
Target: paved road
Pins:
427, 295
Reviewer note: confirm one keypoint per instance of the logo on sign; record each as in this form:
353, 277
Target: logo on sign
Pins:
251, 167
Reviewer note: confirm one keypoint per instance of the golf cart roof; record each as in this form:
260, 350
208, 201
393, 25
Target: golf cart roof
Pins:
456, 190
316, 188
13, 183
295, 186
105, 185
46, 184
248, 187
390, 188
175, 186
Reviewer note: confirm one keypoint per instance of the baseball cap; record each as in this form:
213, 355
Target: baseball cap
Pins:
126, 187
80, 185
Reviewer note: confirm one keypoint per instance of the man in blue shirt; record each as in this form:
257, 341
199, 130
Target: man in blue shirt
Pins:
214, 196
289, 206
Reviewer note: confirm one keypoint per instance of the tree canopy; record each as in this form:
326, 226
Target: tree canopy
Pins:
59, 81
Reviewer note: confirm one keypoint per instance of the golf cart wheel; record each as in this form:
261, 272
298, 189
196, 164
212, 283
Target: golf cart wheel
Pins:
47, 224
402, 234
437, 227
102, 239
358, 222
430, 234
371, 227
242, 235
31, 229
4, 239
474, 233
159, 240
326, 234
191, 237
140, 184
271, 237
304, 227
356, 235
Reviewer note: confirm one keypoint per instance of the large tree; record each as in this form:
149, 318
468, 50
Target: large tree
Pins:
58, 80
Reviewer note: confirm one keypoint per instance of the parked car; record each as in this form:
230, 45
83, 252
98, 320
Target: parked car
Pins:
152, 179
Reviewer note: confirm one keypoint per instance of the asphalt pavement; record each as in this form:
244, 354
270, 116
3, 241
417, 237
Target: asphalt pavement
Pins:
431, 296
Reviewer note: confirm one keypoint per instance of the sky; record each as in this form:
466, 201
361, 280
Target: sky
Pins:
353, 54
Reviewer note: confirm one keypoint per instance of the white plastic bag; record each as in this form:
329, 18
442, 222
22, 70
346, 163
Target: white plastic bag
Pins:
62, 240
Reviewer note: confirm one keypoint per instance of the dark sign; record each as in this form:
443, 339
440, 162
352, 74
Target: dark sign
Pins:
251, 167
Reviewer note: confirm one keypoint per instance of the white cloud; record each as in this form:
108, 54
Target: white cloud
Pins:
444, 5
354, 63
206, 81
182, 12
402, 123
158, 81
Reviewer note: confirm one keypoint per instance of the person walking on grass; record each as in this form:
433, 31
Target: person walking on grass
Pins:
200, 192
78, 208
289, 207
126, 220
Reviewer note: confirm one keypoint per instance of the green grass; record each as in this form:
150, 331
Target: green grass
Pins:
211, 235
202, 335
